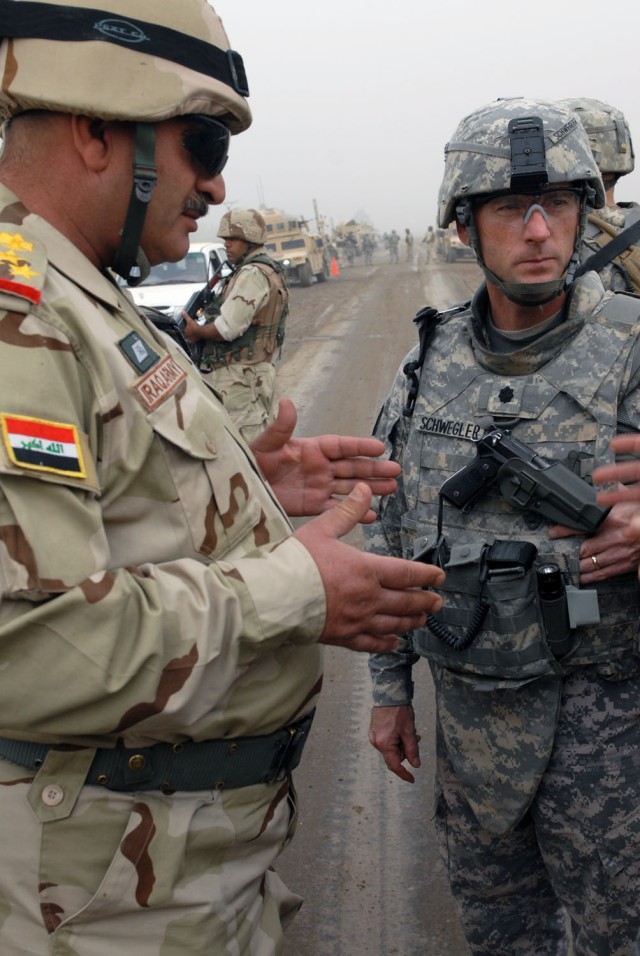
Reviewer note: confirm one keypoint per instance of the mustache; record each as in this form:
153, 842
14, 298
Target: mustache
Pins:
198, 204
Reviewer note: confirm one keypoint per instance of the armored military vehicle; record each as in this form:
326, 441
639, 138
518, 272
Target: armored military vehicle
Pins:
289, 241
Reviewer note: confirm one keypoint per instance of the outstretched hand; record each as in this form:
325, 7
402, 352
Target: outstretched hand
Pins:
308, 475
625, 472
370, 599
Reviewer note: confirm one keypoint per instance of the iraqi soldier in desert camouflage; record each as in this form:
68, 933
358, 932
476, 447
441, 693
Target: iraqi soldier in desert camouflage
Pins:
160, 622
612, 147
538, 698
241, 339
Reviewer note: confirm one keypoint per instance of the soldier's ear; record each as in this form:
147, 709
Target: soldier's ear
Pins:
95, 139
463, 235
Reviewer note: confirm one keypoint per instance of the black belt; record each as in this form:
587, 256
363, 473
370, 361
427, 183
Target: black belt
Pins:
205, 765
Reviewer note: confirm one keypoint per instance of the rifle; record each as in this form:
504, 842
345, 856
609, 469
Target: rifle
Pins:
202, 298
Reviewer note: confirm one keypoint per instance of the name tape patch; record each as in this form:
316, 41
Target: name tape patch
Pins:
43, 445
469, 431
163, 379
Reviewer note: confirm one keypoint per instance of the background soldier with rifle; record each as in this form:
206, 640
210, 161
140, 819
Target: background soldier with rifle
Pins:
239, 343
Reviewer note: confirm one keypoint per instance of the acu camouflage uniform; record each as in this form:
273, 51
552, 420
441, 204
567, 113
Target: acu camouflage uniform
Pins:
622, 274
145, 570
535, 754
612, 147
251, 318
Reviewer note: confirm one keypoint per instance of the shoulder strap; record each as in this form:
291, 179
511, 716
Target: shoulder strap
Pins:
427, 320
627, 237
266, 260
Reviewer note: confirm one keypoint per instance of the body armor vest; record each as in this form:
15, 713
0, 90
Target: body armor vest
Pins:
565, 409
265, 334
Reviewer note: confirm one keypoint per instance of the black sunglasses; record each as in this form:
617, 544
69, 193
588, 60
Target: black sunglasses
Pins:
207, 142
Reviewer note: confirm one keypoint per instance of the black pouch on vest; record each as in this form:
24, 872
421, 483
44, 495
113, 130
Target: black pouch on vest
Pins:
496, 581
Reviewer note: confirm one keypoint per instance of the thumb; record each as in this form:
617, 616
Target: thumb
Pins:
278, 433
347, 513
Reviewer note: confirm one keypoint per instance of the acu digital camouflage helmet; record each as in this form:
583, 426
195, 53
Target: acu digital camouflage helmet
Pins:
518, 146
608, 132
245, 224
478, 156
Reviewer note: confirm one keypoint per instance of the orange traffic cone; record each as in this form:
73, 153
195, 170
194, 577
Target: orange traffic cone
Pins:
334, 267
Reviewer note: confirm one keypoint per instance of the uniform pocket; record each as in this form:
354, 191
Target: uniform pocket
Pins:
216, 500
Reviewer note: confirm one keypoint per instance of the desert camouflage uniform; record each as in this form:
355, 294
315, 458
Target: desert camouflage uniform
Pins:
151, 592
538, 774
614, 275
243, 368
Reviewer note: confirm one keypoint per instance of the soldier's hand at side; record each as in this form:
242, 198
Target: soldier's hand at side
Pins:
191, 330
369, 598
393, 732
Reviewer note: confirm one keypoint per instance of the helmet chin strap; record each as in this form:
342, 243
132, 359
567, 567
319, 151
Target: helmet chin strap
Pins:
130, 261
528, 294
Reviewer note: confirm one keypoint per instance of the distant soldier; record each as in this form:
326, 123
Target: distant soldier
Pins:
429, 244
408, 239
618, 261
393, 242
367, 249
244, 329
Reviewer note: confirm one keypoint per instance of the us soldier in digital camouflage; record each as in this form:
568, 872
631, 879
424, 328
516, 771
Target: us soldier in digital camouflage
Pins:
610, 140
243, 335
160, 624
538, 697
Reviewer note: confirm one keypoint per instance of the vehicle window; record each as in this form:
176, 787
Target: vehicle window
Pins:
192, 268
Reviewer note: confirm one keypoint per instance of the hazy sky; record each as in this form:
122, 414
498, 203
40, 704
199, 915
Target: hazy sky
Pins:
353, 100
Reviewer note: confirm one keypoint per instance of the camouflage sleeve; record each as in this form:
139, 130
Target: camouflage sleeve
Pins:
629, 408
144, 566
249, 293
391, 673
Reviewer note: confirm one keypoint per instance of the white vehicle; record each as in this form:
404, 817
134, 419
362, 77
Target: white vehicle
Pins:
169, 286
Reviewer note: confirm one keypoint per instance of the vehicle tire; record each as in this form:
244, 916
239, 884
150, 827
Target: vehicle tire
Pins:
324, 275
305, 275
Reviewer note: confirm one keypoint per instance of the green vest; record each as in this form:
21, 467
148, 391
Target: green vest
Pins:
265, 335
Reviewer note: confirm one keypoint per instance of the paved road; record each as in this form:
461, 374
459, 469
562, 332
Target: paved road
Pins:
364, 856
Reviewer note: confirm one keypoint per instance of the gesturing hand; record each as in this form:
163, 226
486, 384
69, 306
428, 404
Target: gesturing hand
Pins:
306, 474
370, 598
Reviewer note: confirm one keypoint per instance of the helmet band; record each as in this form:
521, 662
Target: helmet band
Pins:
46, 21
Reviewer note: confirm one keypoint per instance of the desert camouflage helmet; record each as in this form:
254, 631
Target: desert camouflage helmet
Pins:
245, 224
145, 60
608, 132
478, 157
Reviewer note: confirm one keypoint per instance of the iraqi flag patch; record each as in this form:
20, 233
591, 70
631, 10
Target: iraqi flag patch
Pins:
43, 445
